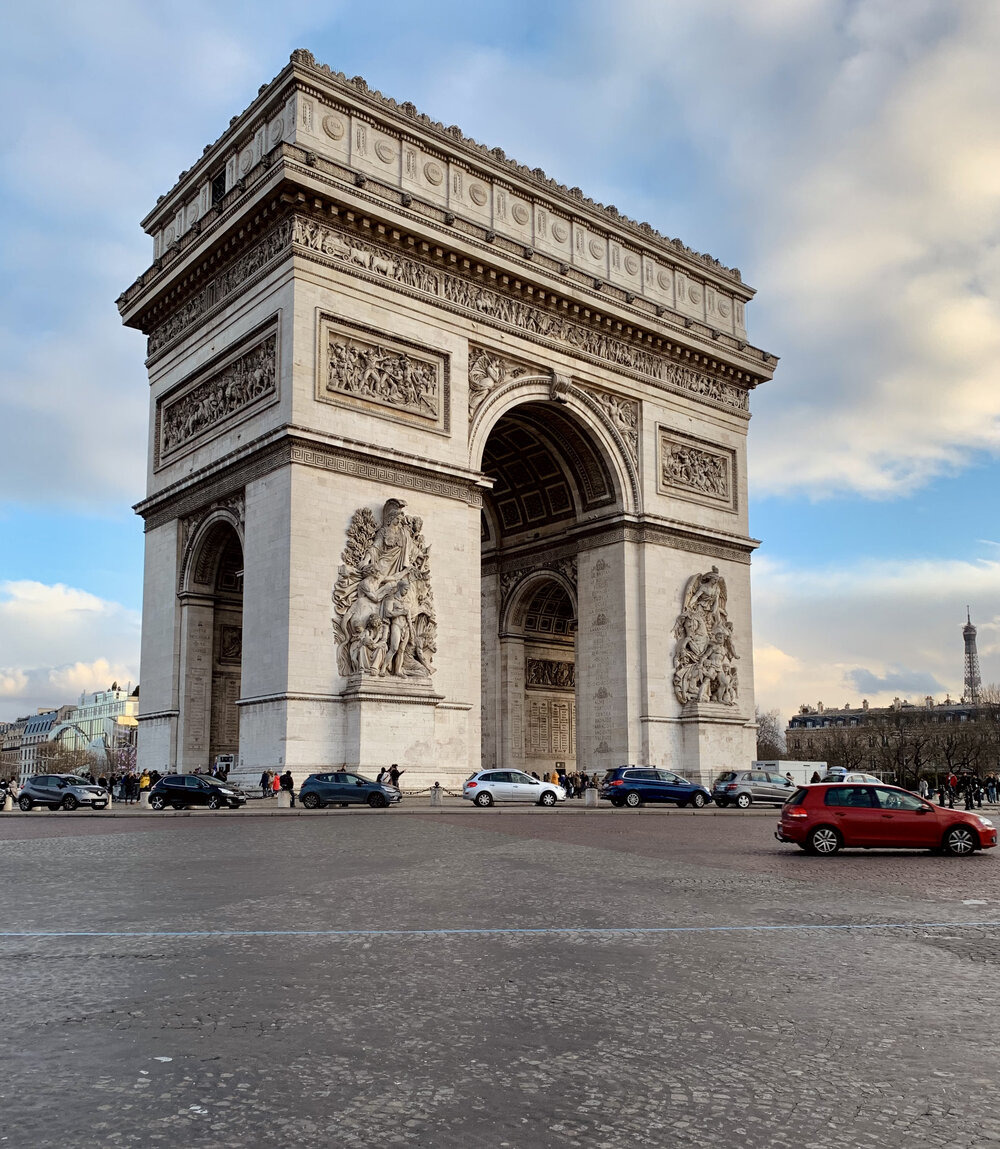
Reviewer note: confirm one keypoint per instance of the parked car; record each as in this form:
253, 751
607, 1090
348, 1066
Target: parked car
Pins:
181, 790
343, 788
823, 818
744, 787
61, 792
486, 787
634, 785
844, 776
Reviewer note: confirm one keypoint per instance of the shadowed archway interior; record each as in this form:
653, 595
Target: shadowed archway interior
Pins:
546, 472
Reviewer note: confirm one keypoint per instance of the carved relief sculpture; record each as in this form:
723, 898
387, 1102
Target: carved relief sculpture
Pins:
383, 376
624, 414
550, 672
486, 373
694, 468
704, 658
235, 387
383, 618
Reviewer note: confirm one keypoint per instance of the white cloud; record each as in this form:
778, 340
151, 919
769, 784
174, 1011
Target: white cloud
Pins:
57, 642
872, 630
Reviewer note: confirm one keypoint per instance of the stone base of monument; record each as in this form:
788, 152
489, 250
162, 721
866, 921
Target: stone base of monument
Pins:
715, 739
374, 687
284, 800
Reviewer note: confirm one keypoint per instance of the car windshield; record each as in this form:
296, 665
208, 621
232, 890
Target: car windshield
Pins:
729, 776
216, 782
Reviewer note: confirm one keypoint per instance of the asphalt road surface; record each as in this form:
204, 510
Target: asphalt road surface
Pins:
484, 980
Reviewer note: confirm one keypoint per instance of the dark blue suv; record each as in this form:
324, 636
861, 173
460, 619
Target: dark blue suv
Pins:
633, 785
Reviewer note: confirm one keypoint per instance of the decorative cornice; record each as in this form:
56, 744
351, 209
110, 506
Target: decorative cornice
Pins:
284, 448
316, 81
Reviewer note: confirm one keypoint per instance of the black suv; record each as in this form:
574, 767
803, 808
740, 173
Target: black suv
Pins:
182, 790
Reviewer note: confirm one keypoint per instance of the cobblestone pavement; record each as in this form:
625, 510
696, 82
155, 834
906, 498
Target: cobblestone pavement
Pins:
143, 1004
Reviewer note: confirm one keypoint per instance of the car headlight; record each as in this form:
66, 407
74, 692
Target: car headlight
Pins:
228, 793
985, 822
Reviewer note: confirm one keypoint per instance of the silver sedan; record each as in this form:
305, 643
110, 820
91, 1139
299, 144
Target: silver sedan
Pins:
486, 787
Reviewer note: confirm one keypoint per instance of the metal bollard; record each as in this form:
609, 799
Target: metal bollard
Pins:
436, 794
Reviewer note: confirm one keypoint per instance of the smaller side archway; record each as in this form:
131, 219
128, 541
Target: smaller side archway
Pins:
535, 687
211, 648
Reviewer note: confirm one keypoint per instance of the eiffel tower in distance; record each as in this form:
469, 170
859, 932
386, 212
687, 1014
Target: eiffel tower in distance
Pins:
972, 679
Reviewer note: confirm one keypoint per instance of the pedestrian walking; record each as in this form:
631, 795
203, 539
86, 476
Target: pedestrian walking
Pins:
275, 784
265, 784
382, 776
288, 785
395, 774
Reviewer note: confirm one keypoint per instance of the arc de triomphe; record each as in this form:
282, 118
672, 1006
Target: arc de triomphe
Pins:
446, 461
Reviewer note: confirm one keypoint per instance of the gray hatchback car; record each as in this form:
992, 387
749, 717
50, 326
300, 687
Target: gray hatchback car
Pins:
744, 787
61, 792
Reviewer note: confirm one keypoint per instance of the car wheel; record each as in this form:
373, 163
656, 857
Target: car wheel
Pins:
157, 802
378, 801
632, 798
825, 840
214, 803
744, 801
960, 841
310, 801
69, 802
722, 803
484, 798
25, 803
547, 799
698, 800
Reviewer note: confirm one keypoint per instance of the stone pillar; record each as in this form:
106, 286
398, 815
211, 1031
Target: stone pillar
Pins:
197, 614
511, 685
608, 666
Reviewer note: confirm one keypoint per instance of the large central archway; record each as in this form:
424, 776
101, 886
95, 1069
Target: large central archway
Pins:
553, 481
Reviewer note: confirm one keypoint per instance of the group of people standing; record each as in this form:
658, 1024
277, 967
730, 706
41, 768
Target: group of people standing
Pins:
574, 783
968, 786
272, 783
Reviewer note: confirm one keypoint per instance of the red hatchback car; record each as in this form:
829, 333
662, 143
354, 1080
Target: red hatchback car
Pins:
823, 818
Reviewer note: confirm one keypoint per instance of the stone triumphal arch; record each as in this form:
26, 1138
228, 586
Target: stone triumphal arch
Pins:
446, 462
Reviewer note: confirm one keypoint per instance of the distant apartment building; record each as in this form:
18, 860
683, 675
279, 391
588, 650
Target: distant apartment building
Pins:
811, 731
11, 734
37, 736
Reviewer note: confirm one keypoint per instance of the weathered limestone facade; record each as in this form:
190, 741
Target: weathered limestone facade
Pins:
446, 462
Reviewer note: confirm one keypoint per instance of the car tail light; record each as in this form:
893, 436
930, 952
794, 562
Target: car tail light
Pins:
618, 782
471, 785
732, 786
794, 812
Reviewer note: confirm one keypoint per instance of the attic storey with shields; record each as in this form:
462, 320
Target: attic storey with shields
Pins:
446, 461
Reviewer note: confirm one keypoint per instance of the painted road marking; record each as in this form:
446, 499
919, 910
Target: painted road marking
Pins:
497, 931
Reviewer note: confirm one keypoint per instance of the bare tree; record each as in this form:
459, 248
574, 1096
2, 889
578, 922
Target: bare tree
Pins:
770, 736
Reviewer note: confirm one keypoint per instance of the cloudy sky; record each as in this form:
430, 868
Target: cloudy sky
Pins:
844, 153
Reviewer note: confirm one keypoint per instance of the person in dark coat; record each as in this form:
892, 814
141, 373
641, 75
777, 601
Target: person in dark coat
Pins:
288, 785
394, 774
265, 784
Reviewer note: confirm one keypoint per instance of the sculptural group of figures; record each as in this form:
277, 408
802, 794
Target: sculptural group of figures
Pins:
383, 607
704, 658
386, 376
